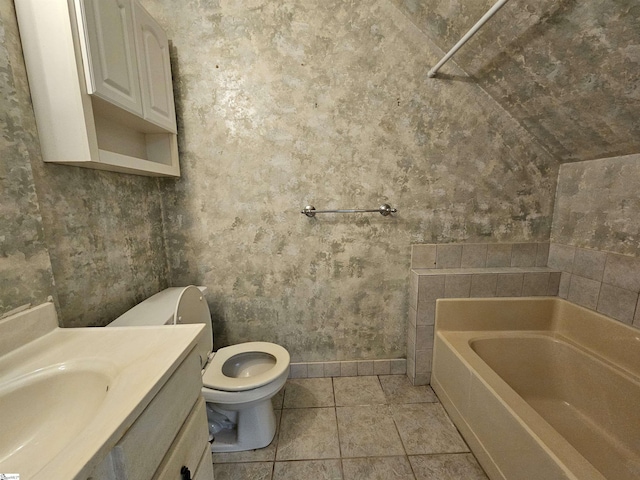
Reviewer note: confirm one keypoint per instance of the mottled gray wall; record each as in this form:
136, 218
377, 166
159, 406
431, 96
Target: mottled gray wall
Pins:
103, 230
289, 103
598, 205
104, 233
568, 71
25, 269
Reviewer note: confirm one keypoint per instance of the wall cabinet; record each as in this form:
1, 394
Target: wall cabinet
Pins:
111, 69
101, 85
155, 70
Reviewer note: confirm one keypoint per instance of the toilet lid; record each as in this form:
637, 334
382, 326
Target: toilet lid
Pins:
214, 378
192, 307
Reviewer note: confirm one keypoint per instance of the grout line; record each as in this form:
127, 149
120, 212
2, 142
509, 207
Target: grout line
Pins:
404, 447
333, 392
335, 410
335, 413
598, 298
411, 465
306, 460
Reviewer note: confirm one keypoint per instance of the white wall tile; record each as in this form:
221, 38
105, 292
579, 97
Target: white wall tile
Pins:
617, 303
622, 271
499, 255
474, 255
589, 263
584, 291
448, 256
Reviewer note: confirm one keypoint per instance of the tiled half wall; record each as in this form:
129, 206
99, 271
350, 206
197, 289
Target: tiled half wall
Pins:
463, 271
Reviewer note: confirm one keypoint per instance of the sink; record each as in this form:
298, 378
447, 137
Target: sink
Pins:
43, 410
68, 395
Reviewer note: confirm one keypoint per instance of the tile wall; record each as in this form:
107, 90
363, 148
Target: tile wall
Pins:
463, 271
606, 282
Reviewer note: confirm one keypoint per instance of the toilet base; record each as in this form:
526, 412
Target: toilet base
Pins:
255, 428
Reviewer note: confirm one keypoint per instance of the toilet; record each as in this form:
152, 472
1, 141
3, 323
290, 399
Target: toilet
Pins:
238, 381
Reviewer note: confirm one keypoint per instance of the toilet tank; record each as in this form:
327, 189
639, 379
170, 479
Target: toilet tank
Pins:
175, 305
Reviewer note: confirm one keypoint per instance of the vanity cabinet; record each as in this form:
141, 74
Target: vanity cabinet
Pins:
169, 440
100, 80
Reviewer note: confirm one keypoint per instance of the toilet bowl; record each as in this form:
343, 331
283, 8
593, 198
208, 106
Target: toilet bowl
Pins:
238, 381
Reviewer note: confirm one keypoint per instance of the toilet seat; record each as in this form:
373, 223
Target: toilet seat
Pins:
213, 378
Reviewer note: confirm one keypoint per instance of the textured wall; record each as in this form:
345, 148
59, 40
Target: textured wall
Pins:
103, 230
289, 103
598, 206
568, 71
25, 269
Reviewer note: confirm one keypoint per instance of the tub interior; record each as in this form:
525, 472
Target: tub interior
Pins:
585, 399
540, 387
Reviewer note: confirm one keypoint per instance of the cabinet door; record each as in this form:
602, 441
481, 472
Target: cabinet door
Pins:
113, 68
155, 70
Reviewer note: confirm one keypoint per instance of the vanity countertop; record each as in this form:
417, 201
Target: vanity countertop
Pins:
69, 394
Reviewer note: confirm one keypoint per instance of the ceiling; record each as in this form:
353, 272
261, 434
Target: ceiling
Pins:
567, 71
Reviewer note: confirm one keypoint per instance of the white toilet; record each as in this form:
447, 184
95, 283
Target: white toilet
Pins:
239, 380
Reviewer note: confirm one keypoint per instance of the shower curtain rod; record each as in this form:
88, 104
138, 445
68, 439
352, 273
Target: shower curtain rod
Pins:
492, 11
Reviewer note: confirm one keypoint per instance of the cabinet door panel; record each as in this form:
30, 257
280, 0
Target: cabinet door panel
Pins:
155, 70
112, 54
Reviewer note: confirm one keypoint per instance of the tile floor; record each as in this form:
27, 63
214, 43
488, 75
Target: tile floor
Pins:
356, 428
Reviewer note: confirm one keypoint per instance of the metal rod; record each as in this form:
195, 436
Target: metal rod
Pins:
384, 210
492, 11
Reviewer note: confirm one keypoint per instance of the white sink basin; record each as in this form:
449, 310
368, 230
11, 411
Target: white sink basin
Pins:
67, 396
41, 411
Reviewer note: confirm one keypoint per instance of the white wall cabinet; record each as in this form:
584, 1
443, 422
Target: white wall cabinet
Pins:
111, 69
101, 85
155, 70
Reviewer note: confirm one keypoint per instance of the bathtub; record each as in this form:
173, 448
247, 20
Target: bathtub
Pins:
540, 388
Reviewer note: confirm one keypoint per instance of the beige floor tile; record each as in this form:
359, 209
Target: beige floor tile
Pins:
308, 434
265, 454
398, 389
377, 468
358, 391
367, 431
425, 428
308, 470
243, 471
308, 392
446, 467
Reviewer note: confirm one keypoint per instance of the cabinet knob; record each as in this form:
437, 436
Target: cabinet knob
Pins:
185, 474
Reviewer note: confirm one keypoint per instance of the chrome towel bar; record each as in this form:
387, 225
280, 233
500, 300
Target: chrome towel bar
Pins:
384, 210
